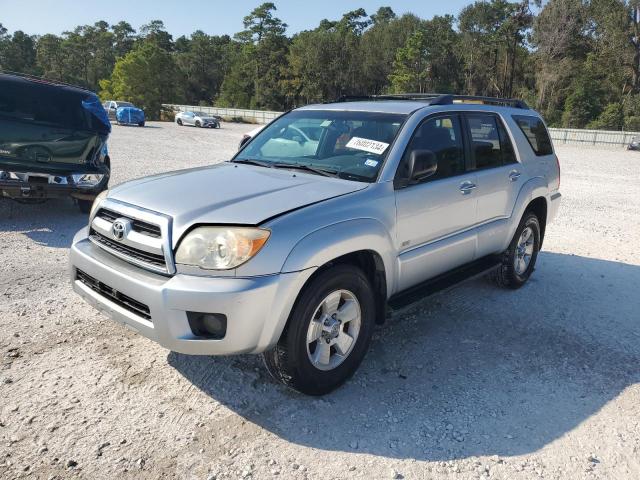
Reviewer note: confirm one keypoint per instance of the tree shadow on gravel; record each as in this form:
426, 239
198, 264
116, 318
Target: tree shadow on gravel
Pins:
52, 223
473, 371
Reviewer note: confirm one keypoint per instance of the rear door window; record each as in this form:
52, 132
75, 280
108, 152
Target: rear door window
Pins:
536, 134
490, 143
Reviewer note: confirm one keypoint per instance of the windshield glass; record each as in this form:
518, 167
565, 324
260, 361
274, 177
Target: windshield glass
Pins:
351, 144
125, 104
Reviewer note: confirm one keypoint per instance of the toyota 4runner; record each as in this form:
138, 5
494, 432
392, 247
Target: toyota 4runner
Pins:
328, 216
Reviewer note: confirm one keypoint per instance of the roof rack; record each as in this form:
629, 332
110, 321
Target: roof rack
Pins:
46, 81
440, 99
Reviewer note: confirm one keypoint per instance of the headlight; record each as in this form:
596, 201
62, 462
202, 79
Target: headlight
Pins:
87, 179
220, 248
97, 201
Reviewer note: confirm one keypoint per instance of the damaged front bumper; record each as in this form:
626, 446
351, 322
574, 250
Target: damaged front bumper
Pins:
26, 185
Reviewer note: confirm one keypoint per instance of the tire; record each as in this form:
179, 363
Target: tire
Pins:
198, 124
141, 124
179, 122
85, 206
290, 361
512, 273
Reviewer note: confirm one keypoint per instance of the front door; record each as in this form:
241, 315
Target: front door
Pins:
435, 218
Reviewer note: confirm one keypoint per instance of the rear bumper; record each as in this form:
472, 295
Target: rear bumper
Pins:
256, 308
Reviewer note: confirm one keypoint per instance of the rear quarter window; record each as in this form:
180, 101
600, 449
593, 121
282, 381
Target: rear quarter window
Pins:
536, 134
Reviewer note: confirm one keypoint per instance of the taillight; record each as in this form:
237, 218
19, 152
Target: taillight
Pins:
558, 164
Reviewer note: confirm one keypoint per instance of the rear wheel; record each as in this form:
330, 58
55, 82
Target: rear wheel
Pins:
198, 124
328, 332
141, 124
519, 260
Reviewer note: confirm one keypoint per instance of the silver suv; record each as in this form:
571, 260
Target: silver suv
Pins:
328, 216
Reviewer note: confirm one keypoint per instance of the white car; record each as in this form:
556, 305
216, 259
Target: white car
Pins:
197, 119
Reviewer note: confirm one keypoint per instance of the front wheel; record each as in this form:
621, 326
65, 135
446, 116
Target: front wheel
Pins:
519, 260
328, 332
198, 124
141, 124
179, 122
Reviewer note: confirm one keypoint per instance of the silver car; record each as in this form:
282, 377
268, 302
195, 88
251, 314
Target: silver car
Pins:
331, 214
197, 119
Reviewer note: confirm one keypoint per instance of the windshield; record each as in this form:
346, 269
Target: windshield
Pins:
125, 104
351, 144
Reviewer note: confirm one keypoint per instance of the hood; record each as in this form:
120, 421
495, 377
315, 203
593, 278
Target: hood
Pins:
229, 193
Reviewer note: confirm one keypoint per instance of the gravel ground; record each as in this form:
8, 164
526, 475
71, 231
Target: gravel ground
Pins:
473, 383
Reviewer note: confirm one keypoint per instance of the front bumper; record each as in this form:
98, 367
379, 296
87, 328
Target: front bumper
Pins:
41, 186
256, 308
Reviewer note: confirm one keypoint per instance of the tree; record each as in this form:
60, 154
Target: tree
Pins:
124, 38
428, 61
147, 76
203, 59
493, 36
257, 70
379, 46
17, 52
155, 31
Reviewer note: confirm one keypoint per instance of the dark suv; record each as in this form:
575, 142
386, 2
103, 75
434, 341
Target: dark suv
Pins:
53, 141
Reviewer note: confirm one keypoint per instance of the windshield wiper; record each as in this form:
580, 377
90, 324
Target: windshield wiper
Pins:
307, 168
251, 161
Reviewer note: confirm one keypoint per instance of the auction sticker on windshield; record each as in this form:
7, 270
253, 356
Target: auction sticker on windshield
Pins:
366, 145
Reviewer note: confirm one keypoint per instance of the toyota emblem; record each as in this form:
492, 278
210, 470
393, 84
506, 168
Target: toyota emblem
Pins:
119, 228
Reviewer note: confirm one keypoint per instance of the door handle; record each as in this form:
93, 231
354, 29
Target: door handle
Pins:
467, 187
514, 175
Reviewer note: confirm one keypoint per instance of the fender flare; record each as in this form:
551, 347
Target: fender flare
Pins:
328, 243
533, 188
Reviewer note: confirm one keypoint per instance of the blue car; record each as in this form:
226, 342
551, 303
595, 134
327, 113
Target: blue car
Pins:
130, 115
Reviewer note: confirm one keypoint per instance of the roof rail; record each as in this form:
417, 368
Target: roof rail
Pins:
47, 81
505, 102
439, 99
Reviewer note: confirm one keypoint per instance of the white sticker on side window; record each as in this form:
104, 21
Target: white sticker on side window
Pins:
366, 145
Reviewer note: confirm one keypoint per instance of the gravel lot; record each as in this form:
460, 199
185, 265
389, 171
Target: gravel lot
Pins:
477, 382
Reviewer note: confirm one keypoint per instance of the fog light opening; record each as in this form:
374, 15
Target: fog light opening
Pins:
208, 325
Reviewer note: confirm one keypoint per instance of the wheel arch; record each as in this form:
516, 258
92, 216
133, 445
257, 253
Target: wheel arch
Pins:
539, 206
342, 243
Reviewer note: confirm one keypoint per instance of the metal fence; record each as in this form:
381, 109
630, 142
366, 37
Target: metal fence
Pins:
254, 116
574, 136
570, 136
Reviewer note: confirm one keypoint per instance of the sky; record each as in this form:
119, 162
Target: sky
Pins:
215, 17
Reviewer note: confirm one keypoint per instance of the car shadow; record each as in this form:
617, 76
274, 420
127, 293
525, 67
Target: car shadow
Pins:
476, 370
52, 223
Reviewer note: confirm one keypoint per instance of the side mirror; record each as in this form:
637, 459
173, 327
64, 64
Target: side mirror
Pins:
422, 165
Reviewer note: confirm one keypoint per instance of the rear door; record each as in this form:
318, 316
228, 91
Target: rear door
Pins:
435, 218
499, 178
41, 128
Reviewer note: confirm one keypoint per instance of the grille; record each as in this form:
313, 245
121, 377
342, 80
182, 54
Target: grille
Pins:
113, 295
150, 258
137, 225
